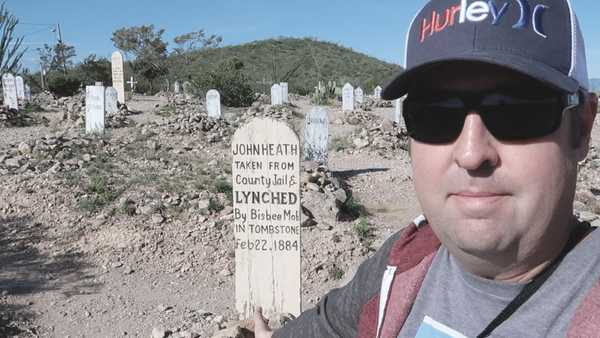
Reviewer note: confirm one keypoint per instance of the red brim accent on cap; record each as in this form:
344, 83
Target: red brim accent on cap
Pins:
400, 83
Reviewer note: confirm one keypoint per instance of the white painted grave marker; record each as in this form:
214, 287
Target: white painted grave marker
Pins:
9, 88
284, 92
20, 89
177, 87
118, 75
94, 109
358, 95
110, 101
316, 135
132, 84
187, 90
213, 104
27, 93
276, 95
266, 202
348, 97
377, 92
398, 109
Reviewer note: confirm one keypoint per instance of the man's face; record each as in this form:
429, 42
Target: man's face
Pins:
487, 198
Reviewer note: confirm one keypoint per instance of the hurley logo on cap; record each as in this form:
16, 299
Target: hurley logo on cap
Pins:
479, 11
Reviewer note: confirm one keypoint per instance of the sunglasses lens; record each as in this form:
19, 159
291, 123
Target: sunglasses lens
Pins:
522, 121
431, 123
512, 120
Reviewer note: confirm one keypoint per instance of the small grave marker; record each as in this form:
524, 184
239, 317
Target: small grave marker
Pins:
187, 90
377, 92
266, 202
110, 101
213, 104
9, 88
132, 84
316, 135
177, 87
276, 93
118, 76
358, 95
284, 92
398, 109
27, 93
348, 97
20, 89
94, 109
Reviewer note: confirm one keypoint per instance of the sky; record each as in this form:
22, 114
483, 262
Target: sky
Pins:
377, 28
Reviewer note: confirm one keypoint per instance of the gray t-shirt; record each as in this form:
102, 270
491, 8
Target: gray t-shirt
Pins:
455, 303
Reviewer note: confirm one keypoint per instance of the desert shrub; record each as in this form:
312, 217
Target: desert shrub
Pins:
231, 82
335, 272
61, 85
351, 209
362, 229
223, 186
214, 205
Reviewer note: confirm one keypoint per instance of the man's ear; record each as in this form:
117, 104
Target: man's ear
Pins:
586, 123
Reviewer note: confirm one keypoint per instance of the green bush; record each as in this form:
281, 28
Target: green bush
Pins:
230, 81
362, 229
61, 85
223, 186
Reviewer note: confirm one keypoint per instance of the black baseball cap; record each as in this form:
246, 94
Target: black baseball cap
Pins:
539, 38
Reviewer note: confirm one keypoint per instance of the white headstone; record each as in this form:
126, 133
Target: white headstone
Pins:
94, 109
284, 92
27, 93
187, 90
177, 87
398, 109
358, 95
348, 97
266, 202
9, 88
316, 135
276, 95
110, 102
377, 92
213, 104
118, 75
20, 88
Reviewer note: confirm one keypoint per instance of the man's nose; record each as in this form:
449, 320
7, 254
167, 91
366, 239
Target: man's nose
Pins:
475, 147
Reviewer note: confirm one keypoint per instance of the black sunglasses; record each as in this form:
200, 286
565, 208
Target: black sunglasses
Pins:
509, 114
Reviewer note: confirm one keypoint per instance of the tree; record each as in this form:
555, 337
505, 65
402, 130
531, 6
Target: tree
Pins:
139, 40
58, 57
196, 40
94, 69
11, 52
229, 79
146, 45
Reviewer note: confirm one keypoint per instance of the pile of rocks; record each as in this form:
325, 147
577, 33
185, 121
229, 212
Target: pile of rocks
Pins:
278, 112
385, 138
54, 153
190, 121
44, 99
370, 102
323, 196
14, 118
361, 118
